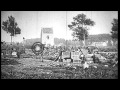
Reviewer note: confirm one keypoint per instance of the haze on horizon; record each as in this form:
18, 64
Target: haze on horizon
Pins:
31, 23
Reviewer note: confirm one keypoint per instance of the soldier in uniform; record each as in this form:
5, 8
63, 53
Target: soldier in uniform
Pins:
60, 54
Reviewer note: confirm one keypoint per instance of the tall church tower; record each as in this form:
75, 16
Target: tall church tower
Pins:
47, 36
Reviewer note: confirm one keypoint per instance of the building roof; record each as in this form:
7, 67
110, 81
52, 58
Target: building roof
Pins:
47, 30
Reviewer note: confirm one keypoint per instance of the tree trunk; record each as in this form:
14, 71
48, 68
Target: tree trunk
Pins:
84, 35
84, 39
11, 40
83, 43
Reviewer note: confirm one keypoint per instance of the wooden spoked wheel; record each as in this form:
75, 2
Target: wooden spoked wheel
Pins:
37, 48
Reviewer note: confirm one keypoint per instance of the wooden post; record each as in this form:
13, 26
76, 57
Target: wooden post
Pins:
66, 29
42, 44
84, 39
41, 35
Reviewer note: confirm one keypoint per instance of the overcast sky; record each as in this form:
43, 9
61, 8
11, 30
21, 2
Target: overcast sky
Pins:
31, 22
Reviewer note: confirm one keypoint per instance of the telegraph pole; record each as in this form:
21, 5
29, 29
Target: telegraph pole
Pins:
41, 35
37, 23
66, 28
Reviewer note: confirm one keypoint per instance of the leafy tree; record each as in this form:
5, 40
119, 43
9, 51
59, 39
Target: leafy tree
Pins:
114, 31
79, 26
11, 26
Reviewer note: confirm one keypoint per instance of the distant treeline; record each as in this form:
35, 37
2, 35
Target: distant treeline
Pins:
92, 38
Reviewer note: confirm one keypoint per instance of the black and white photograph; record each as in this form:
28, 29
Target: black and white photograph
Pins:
59, 44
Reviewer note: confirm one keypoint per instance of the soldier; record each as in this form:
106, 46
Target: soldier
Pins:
18, 54
60, 54
89, 50
95, 59
59, 58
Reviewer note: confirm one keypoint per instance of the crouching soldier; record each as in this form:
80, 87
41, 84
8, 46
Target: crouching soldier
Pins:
95, 59
84, 62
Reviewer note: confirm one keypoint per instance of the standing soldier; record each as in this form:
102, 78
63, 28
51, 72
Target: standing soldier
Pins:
60, 54
59, 58
18, 50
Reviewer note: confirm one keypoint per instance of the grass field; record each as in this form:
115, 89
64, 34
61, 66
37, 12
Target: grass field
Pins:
35, 69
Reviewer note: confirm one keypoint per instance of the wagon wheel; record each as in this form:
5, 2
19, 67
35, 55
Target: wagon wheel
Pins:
37, 48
